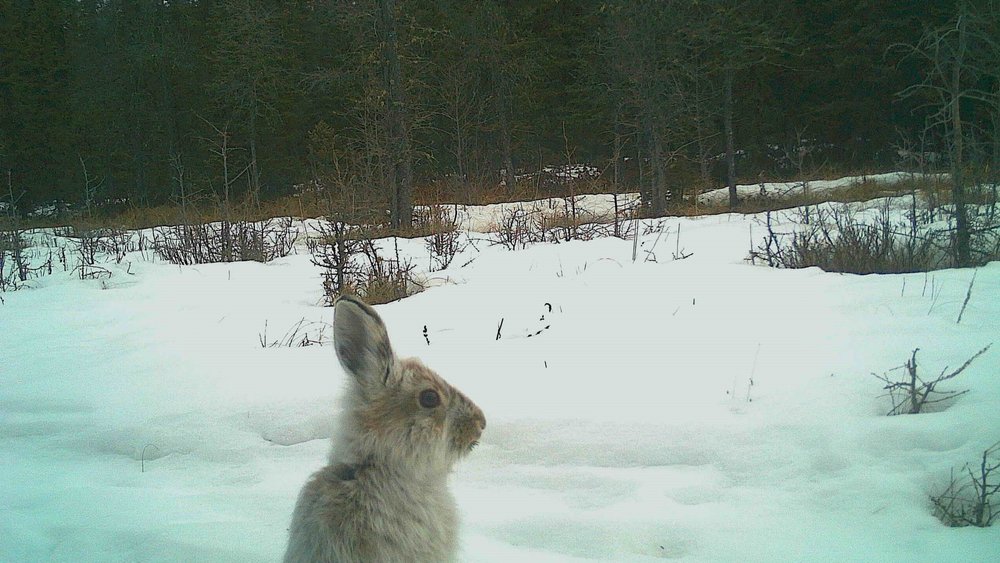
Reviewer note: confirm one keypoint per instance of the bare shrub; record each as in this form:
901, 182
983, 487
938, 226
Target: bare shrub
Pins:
225, 241
385, 279
22, 259
984, 232
625, 218
912, 394
85, 245
568, 222
443, 248
93, 245
435, 218
514, 229
836, 241
333, 251
968, 498
117, 243
444, 242
15, 266
352, 264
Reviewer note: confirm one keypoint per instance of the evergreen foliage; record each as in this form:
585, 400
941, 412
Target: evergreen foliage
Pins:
120, 102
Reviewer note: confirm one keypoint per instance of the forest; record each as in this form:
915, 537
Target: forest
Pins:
111, 103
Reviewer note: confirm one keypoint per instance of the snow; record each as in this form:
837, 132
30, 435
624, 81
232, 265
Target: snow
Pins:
703, 409
781, 190
590, 208
601, 207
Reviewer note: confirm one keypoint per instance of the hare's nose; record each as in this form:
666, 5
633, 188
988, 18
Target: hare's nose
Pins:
480, 419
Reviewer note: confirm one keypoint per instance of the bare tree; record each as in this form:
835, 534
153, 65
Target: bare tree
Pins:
729, 39
952, 82
90, 187
248, 56
637, 50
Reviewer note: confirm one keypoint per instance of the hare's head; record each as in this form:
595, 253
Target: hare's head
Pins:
398, 411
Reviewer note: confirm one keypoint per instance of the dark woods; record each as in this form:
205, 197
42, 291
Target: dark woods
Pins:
111, 102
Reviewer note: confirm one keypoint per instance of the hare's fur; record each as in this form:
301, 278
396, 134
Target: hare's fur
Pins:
384, 494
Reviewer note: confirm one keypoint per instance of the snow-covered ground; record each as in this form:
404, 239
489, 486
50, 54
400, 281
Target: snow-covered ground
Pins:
817, 188
702, 409
602, 207
598, 208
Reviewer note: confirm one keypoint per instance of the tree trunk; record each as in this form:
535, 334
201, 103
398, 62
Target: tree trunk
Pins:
994, 175
617, 170
254, 165
646, 180
958, 158
659, 176
727, 92
617, 155
401, 175
655, 196
506, 158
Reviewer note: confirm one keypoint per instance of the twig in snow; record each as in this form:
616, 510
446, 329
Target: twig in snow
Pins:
142, 457
968, 295
911, 394
971, 503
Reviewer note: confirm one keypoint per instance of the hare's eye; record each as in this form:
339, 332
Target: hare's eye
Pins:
429, 398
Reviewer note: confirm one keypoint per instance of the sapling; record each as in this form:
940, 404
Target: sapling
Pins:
333, 250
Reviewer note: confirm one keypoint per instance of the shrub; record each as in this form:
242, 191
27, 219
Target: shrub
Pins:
568, 222
968, 498
444, 242
836, 241
912, 394
14, 264
333, 251
352, 264
514, 229
385, 279
225, 241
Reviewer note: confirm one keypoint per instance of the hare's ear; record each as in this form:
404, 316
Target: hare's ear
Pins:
362, 344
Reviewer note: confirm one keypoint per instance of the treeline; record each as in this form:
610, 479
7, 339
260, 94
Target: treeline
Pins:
143, 102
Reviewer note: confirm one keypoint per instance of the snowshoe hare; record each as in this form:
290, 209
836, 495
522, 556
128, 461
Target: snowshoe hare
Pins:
384, 494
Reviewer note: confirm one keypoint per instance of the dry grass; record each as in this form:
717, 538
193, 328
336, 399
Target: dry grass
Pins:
314, 203
353, 264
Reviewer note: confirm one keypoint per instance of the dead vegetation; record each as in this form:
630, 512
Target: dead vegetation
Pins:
969, 497
854, 239
352, 263
225, 241
913, 394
